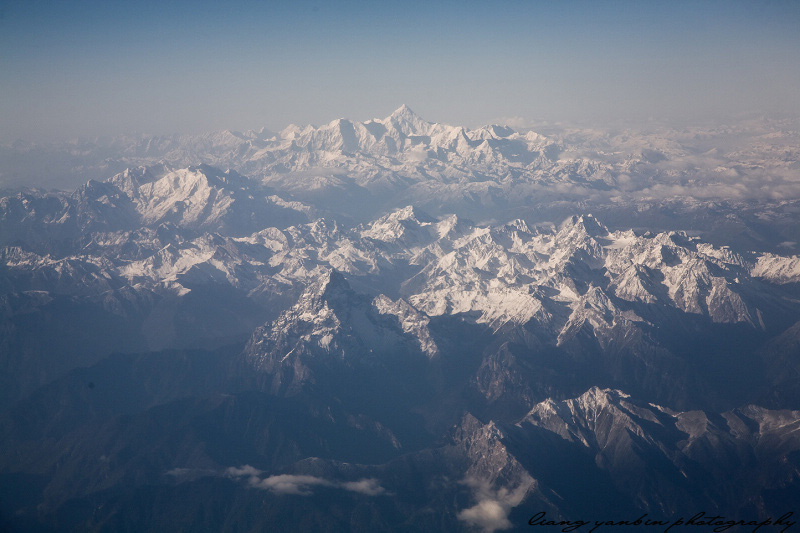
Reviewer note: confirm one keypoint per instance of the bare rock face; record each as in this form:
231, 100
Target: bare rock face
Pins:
668, 458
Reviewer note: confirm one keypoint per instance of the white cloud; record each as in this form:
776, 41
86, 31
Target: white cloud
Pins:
290, 484
368, 487
489, 515
245, 470
301, 485
491, 512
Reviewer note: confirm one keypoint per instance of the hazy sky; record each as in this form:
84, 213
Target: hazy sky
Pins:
85, 68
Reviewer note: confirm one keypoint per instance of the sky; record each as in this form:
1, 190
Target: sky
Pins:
81, 69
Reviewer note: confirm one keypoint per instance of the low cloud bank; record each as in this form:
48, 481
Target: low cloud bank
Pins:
302, 485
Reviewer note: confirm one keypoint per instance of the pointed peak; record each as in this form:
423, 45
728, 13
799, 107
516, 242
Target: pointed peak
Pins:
330, 282
214, 176
405, 213
501, 131
332, 276
404, 111
339, 122
594, 398
602, 397
587, 222
407, 121
408, 225
290, 132
516, 225
410, 213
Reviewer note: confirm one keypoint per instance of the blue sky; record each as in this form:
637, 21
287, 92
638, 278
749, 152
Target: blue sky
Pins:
85, 68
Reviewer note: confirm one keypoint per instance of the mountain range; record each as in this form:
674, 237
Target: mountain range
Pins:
401, 325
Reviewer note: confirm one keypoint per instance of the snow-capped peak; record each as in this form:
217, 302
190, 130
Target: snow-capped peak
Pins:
588, 223
408, 226
404, 113
407, 122
330, 285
